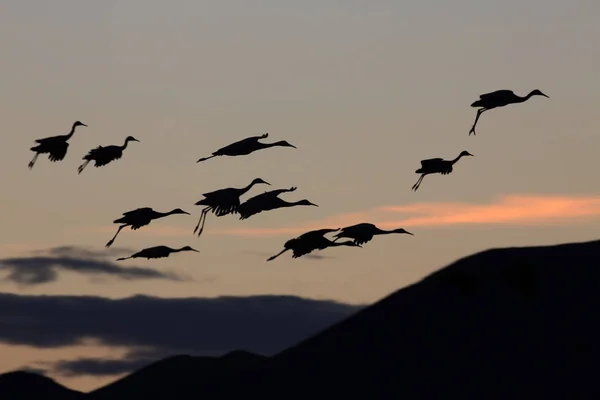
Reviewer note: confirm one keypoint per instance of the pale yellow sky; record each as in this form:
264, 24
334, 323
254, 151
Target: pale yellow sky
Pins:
365, 90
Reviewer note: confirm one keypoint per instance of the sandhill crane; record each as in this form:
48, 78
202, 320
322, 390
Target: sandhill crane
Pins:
55, 146
268, 201
363, 233
499, 98
246, 146
140, 217
222, 202
157, 252
310, 241
437, 166
103, 155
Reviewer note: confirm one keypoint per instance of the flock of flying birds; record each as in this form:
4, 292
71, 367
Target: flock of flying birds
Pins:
227, 201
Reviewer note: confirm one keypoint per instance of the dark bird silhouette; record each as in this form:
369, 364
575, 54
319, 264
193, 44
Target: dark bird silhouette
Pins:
157, 252
140, 217
310, 241
222, 202
499, 98
55, 146
437, 166
363, 233
103, 155
269, 201
246, 146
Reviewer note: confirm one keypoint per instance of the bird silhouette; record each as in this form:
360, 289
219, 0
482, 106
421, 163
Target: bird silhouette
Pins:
268, 201
310, 241
363, 233
246, 146
222, 202
140, 217
437, 166
157, 252
499, 98
103, 155
55, 146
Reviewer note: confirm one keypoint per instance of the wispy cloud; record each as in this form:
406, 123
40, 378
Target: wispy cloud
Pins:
516, 209
512, 209
44, 266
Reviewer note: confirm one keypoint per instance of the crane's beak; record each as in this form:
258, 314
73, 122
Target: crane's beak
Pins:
314, 204
195, 250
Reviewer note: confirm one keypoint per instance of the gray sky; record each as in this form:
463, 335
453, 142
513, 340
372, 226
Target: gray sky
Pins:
365, 90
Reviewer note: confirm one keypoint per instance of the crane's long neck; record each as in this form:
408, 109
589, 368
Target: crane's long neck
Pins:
68, 135
292, 204
245, 189
165, 214
178, 250
525, 98
456, 159
125, 144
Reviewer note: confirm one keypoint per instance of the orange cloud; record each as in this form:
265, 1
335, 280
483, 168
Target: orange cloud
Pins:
512, 209
508, 210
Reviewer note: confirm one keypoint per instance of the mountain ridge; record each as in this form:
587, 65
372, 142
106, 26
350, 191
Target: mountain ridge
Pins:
501, 323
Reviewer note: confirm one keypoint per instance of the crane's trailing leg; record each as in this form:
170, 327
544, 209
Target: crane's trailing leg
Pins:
479, 112
277, 255
111, 241
33, 160
124, 258
202, 220
82, 166
416, 185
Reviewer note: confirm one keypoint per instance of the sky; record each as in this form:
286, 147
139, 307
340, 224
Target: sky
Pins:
364, 90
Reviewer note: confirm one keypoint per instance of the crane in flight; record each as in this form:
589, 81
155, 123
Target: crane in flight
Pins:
103, 155
269, 201
140, 217
55, 146
437, 166
311, 241
245, 147
222, 202
499, 98
157, 252
364, 232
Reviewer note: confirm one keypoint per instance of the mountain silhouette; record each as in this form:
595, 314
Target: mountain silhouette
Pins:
176, 377
506, 323
24, 385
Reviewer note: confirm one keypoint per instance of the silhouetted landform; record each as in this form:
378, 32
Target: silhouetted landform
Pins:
269, 201
103, 155
55, 146
364, 232
437, 166
24, 385
157, 252
309, 242
501, 324
246, 146
140, 217
186, 375
499, 98
222, 202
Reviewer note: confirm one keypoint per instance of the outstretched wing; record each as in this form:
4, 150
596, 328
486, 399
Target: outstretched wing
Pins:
430, 162
57, 151
138, 211
49, 140
105, 155
239, 147
497, 94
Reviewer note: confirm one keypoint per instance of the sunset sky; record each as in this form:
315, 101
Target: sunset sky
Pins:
364, 89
